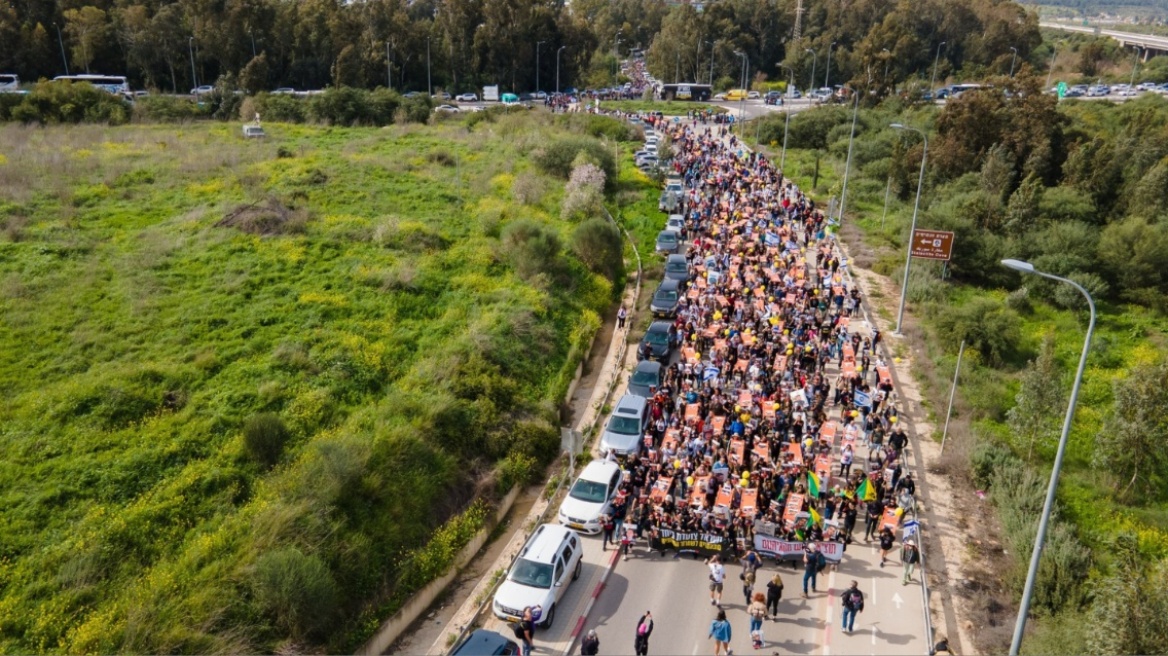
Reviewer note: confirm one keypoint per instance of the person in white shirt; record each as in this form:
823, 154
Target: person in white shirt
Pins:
717, 578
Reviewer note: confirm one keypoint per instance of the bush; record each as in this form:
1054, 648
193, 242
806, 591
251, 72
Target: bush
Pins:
280, 108
167, 109
986, 325
558, 157
66, 102
584, 193
296, 590
597, 243
528, 188
264, 437
531, 247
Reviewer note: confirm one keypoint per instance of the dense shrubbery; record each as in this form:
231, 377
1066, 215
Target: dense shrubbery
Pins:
64, 102
560, 156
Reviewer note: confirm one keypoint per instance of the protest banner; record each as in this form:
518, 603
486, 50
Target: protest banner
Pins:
705, 544
779, 549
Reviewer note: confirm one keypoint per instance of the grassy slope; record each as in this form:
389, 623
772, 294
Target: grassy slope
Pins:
138, 336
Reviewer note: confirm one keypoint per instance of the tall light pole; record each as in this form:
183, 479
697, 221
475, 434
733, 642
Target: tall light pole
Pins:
887, 61
848, 164
742, 100
1050, 72
191, 50
1036, 554
537, 45
429, 85
1013, 60
814, 59
827, 72
786, 123
253, 50
933, 84
912, 229
558, 69
388, 67
711, 44
1135, 65
616, 54
61, 42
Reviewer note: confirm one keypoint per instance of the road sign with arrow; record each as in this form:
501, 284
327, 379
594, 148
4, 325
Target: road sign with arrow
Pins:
932, 244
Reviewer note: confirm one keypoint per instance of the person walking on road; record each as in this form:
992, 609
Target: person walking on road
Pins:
621, 315
525, 631
774, 594
886, 542
590, 645
757, 611
813, 561
644, 630
608, 526
721, 633
717, 578
910, 557
853, 603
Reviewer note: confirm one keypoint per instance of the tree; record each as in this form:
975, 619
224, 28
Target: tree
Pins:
1133, 252
296, 589
1022, 210
986, 325
87, 28
1131, 605
598, 245
1132, 448
1035, 415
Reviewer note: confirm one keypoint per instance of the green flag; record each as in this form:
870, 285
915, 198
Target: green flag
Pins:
812, 484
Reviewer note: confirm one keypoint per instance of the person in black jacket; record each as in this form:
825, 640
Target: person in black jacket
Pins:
774, 595
644, 630
590, 645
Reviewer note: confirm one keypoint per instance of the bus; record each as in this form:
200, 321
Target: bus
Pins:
9, 83
686, 91
115, 84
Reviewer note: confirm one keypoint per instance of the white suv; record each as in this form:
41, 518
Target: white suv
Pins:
545, 567
591, 496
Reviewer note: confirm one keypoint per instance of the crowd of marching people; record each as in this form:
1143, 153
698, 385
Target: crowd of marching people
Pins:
779, 417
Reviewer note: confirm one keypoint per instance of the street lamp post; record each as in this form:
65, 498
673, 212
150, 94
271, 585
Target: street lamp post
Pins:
191, 50
429, 85
786, 122
711, 44
887, 61
388, 66
912, 229
933, 84
1036, 554
814, 60
827, 71
61, 42
742, 100
848, 164
1135, 65
561, 49
253, 49
1050, 72
1013, 60
537, 45
616, 54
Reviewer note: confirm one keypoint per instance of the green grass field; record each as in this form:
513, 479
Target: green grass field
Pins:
161, 286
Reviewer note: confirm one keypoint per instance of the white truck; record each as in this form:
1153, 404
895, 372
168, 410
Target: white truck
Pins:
491, 94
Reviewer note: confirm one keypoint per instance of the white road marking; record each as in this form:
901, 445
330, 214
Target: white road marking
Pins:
897, 600
873, 636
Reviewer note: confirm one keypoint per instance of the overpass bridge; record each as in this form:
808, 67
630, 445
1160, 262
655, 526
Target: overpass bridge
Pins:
1147, 42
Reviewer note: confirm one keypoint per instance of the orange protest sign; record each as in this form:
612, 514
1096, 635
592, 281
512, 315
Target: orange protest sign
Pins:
737, 450
849, 369
762, 452
745, 398
827, 431
890, 519
697, 494
768, 409
792, 509
849, 353
672, 440
741, 365
660, 489
693, 293
748, 504
691, 412
723, 500
793, 455
719, 424
844, 322
885, 375
823, 471
789, 299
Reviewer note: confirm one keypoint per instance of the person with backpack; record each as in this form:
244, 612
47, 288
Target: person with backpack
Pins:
774, 595
757, 611
910, 557
525, 631
853, 603
590, 645
886, 541
721, 633
644, 630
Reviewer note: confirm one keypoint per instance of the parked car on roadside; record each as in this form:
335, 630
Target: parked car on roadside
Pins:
657, 338
486, 643
668, 242
627, 424
666, 299
646, 378
540, 575
590, 496
466, 97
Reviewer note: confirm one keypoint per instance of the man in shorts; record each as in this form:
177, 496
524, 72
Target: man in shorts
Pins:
717, 578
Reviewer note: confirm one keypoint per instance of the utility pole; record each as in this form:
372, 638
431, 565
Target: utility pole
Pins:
811, 86
558, 69
711, 44
827, 73
191, 50
1013, 60
429, 86
388, 67
798, 20
253, 49
62, 44
537, 45
933, 84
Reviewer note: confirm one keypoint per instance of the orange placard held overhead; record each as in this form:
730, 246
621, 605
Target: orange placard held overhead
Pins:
890, 519
844, 322
745, 399
823, 471
691, 412
672, 440
724, 499
848, 370
737, 450
850, 436
697, 493
762, 453
719, 424
827, 431
660, 489
885, 375
748, 504
793, 455
792, 509
768, 409
849, 353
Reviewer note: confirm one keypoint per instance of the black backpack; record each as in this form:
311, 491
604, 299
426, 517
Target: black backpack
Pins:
519, 631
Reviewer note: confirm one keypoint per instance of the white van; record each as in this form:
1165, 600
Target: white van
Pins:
591, 496
540, 575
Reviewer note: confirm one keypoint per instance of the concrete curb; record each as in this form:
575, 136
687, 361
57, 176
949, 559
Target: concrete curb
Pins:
591, 602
